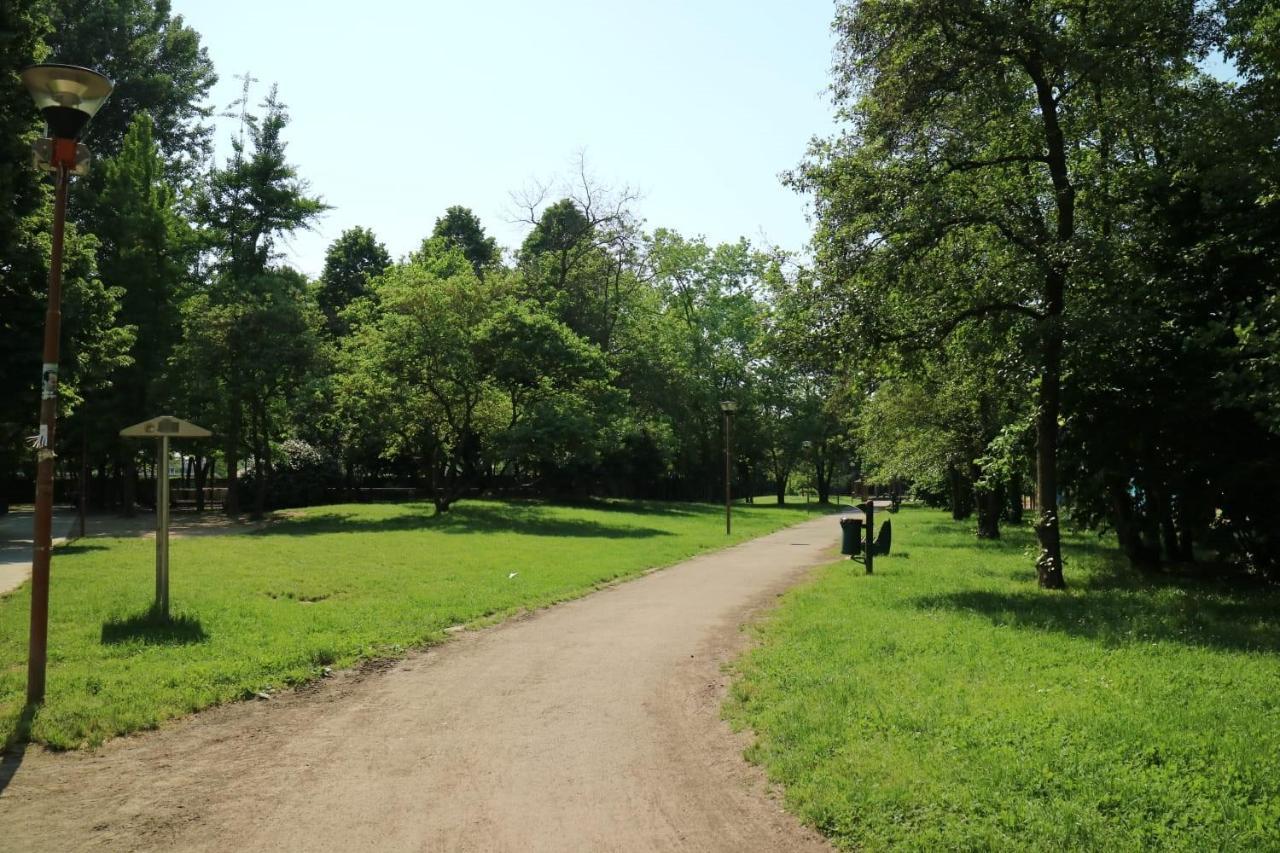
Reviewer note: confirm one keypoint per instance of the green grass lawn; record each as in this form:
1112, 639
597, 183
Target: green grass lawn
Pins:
336, 585
947, 703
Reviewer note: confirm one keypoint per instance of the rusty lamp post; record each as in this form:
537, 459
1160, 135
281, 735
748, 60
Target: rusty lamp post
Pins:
67, 96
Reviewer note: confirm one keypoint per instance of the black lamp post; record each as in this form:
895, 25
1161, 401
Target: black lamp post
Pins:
729, 407
68, 97
808, 445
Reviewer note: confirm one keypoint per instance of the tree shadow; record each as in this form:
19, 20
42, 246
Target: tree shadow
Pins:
526, 519
1178, 611
658, 508
153, 629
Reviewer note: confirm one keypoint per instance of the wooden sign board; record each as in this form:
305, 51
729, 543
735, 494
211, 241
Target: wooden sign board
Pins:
165, 426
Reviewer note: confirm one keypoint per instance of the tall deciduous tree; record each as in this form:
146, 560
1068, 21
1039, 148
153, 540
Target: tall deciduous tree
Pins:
976, 125
460, 228
352, 261
414, 368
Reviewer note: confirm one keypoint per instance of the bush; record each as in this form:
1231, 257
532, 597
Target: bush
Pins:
303, 475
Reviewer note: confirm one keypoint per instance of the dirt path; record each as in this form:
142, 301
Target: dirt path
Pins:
593, 725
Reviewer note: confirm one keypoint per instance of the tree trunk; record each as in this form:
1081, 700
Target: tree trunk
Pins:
1128, 530
201, 477
232, 503
1168, 530
824, 481
1049, 403
129, 486
1049, 562
961, 495
260, 461
1186, 534
1013, 502
989, 503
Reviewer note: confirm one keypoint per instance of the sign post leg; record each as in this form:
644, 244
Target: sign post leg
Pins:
162, 528
871, 533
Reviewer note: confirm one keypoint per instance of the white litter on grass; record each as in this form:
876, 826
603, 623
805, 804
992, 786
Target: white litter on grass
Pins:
513, 574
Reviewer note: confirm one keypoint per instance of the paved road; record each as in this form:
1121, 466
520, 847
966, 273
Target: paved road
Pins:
16, 534
593, 725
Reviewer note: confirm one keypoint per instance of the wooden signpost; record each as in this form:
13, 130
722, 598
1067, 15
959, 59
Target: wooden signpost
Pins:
162, 429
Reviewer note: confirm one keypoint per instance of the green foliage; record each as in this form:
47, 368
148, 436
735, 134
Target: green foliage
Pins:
92, 342
328, 587
582, 260
350, 263
944, 703
252, 336
416, 360
146, 254
563, 404
257, 197
460, 228
250, 351
1065, 179
159, 67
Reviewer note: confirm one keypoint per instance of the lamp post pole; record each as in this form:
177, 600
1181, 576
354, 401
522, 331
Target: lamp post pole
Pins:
728, 473
43, 534
728, 407
67, 96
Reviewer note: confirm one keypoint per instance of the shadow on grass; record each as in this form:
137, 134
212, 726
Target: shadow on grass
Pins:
695, 509
1162, 611
152, 629
658, 508
528, 519
15, 747
78, 547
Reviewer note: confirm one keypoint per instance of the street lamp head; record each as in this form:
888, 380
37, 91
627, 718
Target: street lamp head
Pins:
807, 445
68, 96
728, 406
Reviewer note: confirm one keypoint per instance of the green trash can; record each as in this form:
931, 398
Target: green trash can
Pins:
851, 540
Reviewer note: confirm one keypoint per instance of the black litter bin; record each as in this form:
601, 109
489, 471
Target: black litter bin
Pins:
851, 542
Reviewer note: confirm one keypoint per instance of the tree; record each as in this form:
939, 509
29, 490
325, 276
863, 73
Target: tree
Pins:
460, 228
687, 347
794, 337
159, 68
976, 124
94, 343
248, 361
352, 261
146, 252
416, 358
563, 406
249, 205
583, 256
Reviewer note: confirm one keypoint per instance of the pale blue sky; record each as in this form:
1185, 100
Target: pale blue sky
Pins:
402, 108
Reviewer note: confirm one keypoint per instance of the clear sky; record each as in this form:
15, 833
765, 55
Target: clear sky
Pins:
402, 108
